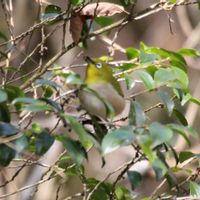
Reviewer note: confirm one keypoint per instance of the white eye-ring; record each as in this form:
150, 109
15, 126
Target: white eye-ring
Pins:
99, 65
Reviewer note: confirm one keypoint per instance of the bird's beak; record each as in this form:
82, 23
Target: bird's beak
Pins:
89, 60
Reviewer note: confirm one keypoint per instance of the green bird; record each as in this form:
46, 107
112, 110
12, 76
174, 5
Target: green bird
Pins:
103, 92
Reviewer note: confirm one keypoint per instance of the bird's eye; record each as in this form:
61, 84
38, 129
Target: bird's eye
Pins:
99, 65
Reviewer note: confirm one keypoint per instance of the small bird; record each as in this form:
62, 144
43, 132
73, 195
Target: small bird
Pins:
102, 92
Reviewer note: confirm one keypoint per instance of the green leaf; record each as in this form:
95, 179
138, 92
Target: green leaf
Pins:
43, 142
181, 118
7, 129
164, 96
147, 79
123, 193
76, 2
188, 52
137, 116
73, 78
160, 132
4, 113
134, 178
51, 11
194, 100
85, 139
147, 58
104, 21
117, 138
181, 130
159, 168
42, 82
3, 96
185, 155
132, 53
6, 155
130, 81
194, 189
74, 149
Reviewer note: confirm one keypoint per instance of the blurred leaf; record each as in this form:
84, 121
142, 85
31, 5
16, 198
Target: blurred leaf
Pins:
3, 36
164, 96
132, 53
7, 129
185, 98
160, 132
103, 21
123, 193
147, 79
13, 92
73, 78
134, 178
188, 52
74, 149
194, 100
51, 11
117, 138
130, 81
180, 130
3, 96
43, 142
174, 154
159, 168
127, 2
6, 155
185, 155
4, 113
46, 82
171, 179
137, 116
147, 58
76, 2
151, 69
180, 117
85, 139
194, 189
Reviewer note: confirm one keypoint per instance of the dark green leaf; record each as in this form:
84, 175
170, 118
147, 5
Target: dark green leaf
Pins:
160, 132
7, 129
6, 155
137, 116
147, 79
117, 138
194, 189
132, 53
185, 155
74, 149
196, 101
43, 142
4, 112
51, 11
164, 96
180, 117
134, 178
159, 168
171, 179
3, 96
46, 82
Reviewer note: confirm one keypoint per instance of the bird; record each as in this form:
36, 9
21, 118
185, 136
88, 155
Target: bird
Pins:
101, 95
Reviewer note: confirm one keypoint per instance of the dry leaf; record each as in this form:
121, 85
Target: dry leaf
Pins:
102, 9
90, 11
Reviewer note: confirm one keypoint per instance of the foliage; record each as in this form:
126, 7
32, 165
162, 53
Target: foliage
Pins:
163, 74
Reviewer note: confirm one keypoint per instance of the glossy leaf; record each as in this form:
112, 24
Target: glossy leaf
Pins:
147, 58
76, 2
181, 118
6, 155
188, 52
104, 21
130, 81
135, 178
117, 138
123, 193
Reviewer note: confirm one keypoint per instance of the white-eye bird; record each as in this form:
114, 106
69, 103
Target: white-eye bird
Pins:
103, 91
